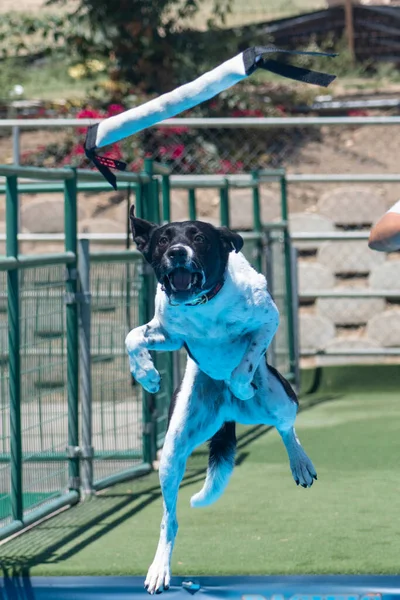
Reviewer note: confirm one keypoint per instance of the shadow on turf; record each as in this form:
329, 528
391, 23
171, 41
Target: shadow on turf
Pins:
79, 526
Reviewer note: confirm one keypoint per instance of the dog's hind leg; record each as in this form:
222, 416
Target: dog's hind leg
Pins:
282, 404
192, 422
221, 463
303, 470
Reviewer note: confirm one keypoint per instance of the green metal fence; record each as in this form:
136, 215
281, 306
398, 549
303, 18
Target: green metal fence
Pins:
72, 420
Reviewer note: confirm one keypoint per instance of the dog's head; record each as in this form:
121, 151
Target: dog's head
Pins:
188, 258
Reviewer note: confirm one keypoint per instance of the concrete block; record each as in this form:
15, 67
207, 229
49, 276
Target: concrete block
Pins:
386, 276
46, 215
309, 223
315, 332
313, 276
345, 258
351, 206
385, 328
350, 311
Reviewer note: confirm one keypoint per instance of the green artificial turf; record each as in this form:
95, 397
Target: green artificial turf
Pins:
348, 522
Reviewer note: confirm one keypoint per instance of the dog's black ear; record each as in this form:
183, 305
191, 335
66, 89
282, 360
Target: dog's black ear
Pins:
232, 239
141, 230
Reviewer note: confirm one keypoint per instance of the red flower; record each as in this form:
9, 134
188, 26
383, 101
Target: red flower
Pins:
247, 113
114, 109
177, 151
89, 113
170, 131
136, 165
78, 150
357, 113
172, 152
227, 166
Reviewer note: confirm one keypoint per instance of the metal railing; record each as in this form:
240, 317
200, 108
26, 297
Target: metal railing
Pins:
66, 314
16, 125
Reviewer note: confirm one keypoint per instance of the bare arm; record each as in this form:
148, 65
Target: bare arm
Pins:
385, 234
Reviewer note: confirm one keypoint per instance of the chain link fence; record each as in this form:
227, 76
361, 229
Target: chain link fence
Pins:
5, 508
349, 295
58, 441
116, 402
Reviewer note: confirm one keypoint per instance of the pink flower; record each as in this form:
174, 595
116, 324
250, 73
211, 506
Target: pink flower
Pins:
136, 165
78, 149
357, 113
178, 151
227, 166
247, 113
172, 152
89, 113
170, 131
115, 109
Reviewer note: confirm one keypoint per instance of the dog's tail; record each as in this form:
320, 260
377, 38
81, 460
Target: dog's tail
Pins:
221, 462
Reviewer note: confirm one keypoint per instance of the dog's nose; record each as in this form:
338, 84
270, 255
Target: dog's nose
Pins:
178, 253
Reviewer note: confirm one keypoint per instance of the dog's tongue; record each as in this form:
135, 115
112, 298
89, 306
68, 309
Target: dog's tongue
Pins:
180, 278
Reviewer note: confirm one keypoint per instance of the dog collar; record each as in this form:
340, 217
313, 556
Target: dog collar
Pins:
204, 298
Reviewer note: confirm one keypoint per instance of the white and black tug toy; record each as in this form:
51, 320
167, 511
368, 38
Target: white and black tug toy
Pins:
191, 94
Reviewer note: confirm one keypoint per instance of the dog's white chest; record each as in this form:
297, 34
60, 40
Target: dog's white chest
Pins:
218, 359
217, 335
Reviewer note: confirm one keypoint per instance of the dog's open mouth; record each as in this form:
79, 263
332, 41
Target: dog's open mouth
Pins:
183, 280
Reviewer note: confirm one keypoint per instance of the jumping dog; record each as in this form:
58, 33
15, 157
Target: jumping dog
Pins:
210, 301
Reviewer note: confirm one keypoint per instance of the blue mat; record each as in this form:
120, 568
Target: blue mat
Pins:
320, 587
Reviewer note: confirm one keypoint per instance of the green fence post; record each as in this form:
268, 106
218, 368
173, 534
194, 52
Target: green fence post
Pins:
224, 205
257, 219
139, 200
150, 213
128, 224
288, 278
166, 199
156, 200
146, 397
192, 204
14, 350
128, 243
70, 219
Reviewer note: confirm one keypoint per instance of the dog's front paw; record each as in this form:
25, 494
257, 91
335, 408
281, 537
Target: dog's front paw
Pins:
158, 577
241, 387
144, 371
150, 379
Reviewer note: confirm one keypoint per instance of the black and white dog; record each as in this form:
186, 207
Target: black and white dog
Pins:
212, 302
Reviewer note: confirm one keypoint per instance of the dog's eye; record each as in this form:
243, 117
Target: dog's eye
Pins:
199, 238
163, 240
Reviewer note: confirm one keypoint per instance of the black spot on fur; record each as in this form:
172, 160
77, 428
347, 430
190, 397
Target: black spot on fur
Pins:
250, 367
286, 385
223, 444
190, 353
